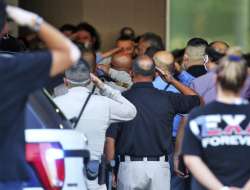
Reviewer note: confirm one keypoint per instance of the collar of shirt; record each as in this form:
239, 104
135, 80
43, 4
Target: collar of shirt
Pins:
78, 89
143, 85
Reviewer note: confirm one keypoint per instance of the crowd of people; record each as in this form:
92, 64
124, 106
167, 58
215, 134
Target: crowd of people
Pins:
170, 119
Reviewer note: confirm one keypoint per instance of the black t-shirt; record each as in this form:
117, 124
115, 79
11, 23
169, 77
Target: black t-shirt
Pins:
149, 133
19, 76
220, 135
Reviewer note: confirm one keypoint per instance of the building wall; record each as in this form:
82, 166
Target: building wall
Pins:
108, 16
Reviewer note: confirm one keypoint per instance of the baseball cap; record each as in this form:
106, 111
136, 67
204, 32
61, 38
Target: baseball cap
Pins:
78, 74
2, 14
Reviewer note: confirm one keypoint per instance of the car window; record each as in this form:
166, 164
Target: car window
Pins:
41, 112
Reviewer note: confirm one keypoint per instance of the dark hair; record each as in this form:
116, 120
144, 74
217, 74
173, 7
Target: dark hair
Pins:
247, 58
11, 44
137, 69
127, 31
153, 39
213, 55
2, 14
124, 38
137, 39
178, 55
67, 27
92, 31
151, 51
196, 42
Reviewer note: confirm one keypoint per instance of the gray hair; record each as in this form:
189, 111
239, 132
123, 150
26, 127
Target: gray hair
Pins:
78, 74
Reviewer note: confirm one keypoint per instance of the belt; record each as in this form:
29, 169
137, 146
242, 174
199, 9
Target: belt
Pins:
124, 158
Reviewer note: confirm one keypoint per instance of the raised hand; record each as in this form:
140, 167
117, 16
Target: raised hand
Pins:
96, 81
22, 17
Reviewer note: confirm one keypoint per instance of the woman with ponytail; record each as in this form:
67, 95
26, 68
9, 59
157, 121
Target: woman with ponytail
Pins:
216, 145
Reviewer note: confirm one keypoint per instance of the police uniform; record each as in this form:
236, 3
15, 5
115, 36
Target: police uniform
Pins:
144, 143
20, 75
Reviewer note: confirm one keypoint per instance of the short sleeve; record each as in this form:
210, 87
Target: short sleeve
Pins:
185, 78
26, 72
191, 143
182, 103
113, 131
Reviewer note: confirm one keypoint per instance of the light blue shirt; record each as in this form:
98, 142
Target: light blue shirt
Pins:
186, 79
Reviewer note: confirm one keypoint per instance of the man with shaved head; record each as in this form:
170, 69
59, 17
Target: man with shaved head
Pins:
219, 46
121, 62
194, 56
165, 61
118, 71
144, 144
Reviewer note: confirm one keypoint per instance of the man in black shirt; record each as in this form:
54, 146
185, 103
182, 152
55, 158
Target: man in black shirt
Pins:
144, 143
20, 75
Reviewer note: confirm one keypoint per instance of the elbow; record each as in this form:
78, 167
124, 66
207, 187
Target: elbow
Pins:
186, 160
131, 113
74, 53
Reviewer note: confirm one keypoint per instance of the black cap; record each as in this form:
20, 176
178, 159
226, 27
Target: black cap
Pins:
2, 14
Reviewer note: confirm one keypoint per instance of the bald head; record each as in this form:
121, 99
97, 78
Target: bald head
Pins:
122, 62
164, 60
220, 46
144, 66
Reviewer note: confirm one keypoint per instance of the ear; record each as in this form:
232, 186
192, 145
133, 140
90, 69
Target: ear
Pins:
185, 60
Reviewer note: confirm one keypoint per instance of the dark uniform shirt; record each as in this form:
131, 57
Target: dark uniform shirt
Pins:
149, 134
19, 76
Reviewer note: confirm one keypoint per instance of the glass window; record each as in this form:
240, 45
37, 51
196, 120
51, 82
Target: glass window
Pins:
226, 20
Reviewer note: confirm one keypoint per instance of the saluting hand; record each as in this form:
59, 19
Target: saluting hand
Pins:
22, 17
166, 76
96, 81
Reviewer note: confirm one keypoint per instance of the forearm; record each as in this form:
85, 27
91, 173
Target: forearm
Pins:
64, 53
120, 76
120, 108
180, 136
53, 39
202, 173
110, 53
109, 148
111, 93
182, 88
247, 186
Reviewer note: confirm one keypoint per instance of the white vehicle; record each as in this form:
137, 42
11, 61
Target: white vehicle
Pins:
55, 152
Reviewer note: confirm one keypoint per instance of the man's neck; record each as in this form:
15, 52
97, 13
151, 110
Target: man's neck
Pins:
139, 79
211, 66
227, 96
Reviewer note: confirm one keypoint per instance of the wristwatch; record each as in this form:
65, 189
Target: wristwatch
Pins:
38, 23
